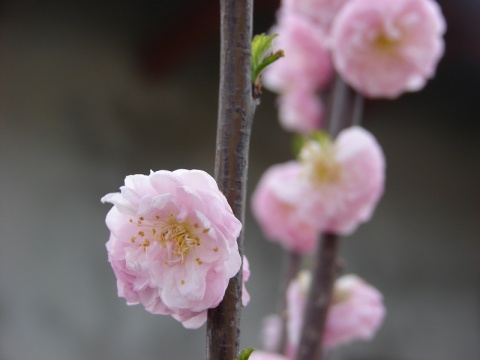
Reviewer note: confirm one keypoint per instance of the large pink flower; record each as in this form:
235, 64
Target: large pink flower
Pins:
343, 181
356, 311
307, 62
386, 47
173, 243
277, 210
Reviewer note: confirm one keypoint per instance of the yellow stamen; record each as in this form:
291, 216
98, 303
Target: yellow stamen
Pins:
319, 162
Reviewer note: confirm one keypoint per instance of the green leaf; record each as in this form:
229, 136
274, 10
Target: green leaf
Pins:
262, 55
261, 46
245, 354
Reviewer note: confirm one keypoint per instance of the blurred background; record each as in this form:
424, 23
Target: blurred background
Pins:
93, 91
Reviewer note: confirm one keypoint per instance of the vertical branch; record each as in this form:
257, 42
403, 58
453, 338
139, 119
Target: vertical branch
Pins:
357, 113
319, 299
336, 120
235, 116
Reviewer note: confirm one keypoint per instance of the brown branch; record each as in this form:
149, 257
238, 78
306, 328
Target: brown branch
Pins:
235, 116
319, 299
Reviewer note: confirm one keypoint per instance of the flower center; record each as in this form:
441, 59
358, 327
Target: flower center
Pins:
177, 238
319, 162
385, 43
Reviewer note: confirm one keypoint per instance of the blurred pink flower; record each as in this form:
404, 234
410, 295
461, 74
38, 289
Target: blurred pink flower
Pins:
321, 12
297, 293
173, 243
246, 277
307, 63
335, 187
386, 47
300, 110
261, 355
356, 311
271, 332
276, 210
345, 180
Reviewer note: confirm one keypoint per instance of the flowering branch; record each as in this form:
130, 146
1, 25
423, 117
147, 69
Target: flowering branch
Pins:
321, 288
235, 116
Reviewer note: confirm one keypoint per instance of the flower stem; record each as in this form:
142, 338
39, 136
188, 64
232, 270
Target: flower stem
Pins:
235, 116
336, 121
346, 108
357, 113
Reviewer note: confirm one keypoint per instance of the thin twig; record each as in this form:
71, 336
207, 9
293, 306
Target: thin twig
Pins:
338, 109
319, 299
357, 113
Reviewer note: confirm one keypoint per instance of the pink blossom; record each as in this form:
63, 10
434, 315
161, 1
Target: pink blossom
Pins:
277, 212
307, 62
297, 293
246, 277
335, 187
261, 355
271, 332
356, 311
173, 243
300, 110
386, 47
321, 12
344, 181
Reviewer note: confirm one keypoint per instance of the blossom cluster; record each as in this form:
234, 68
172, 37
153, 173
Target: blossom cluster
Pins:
382, 48
173, 243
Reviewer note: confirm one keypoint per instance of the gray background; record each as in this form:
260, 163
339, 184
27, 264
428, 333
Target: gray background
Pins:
94, 91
